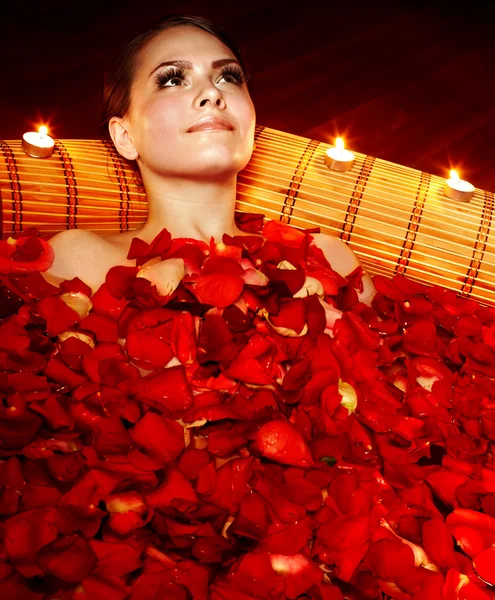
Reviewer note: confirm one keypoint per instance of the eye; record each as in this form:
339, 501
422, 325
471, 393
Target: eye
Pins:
234, 74
173, 74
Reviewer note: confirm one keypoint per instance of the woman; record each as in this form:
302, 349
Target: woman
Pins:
261, 446
177, 103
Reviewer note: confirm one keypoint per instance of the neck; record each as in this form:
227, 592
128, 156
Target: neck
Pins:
198, 209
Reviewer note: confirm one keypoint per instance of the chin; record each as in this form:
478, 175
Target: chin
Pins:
221, 161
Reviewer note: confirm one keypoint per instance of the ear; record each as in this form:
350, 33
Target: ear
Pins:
119, 132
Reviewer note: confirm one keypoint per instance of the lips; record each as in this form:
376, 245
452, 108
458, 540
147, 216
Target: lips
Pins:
211, 123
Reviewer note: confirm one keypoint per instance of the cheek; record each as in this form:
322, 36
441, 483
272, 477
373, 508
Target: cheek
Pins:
246, 113
162, 118
157, 133
249, 125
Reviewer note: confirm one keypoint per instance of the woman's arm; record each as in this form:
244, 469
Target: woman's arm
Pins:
344, 261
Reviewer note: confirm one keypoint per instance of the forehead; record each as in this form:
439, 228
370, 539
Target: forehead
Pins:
185, 42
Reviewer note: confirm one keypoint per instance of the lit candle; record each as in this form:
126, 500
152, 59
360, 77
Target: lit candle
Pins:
338, 158
457, 189
38, 144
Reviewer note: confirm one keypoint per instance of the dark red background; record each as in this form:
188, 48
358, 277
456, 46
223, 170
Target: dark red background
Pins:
410, 83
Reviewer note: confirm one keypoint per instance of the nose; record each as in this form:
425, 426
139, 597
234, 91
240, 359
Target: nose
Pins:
213, 95
220, 102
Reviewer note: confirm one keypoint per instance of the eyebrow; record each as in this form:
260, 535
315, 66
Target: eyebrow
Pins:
185, 64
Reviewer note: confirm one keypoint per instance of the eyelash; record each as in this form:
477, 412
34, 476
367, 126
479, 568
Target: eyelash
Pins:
178, 72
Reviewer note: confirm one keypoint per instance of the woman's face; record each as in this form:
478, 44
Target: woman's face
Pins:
166, 100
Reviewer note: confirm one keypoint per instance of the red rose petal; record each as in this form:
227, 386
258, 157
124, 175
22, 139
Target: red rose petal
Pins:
294, 279
291, 315
104, 328
229, 483
142, 251
107, 305
18, 430
249, 222
329, 279
65, 467
192, 461
25, 253
57, 371
13, 337
255, 363
104, 352
343, 541
473, 531
215, 340
25, 535
39, 496
484, 563
167, 391
18, 588
58, 316
115, 559
176, 491
217, 289
221, 264
160, 437
183, 338
147, 349
119, 280
111, 437
389, 559
458, 585
98, 588
251, 519
282, 442
290, 538
421, 338
70, 559
438, 543
103, 455
275, 231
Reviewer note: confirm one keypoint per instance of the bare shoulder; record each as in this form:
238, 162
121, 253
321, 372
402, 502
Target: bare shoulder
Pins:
337, 252
74, 239
326, 239
344, 261
83, 254
75, 244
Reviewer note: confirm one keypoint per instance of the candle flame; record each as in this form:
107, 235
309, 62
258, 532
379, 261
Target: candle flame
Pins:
43, 130
339, 143
454, 175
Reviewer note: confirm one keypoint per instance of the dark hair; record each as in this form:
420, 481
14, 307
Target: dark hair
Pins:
117, 87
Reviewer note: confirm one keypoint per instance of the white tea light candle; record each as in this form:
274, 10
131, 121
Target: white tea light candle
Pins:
338, 158
457, 189
38, 144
